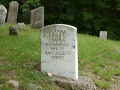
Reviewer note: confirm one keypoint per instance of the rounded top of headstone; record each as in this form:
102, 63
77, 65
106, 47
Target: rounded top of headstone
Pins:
3, 10
21, 26
60, 25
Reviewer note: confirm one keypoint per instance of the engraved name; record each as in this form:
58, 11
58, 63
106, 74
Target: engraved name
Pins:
56, 44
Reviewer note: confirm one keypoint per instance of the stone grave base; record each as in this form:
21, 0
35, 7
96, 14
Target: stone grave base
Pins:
83, 83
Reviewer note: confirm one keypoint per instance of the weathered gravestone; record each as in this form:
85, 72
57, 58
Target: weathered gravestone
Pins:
12, 31
37, 18
13, 12
103, 34
3, 12
59, 53
20, 26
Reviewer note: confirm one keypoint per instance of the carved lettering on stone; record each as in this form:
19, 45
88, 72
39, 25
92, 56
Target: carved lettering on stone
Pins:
59, 54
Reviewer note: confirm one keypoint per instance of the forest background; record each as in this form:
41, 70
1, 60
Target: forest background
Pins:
89, 16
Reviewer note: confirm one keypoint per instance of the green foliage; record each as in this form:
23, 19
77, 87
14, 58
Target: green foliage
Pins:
107, 75
96, 69
4, 87
89, 16
102, 85
116, 71
3, 80
30, 4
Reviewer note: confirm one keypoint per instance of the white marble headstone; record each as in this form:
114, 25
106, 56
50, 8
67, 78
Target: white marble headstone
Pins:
59, 52
103, 34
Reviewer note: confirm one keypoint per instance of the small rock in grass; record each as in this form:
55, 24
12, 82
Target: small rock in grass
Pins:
20, 26
83, 83
49, 74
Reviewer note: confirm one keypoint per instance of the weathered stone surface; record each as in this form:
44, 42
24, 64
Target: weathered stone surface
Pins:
20, 26
83, 83
3, 12
13, 12
59, 53
12, 31
103, 34
37, 18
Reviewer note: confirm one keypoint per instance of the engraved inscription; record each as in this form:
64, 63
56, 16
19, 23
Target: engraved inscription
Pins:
57, 57
56, 44
57, 35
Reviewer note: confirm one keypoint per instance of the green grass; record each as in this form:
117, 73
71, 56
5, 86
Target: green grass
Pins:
20, 60
100, 60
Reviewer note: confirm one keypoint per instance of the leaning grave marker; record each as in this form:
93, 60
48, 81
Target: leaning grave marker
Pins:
37, 18
59, 51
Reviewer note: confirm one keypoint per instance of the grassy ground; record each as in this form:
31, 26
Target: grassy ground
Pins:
20, 60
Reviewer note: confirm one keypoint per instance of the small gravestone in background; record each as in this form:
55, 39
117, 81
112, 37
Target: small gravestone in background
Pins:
13, 12
3, 12
20, 26
103, 34
37, 18
59, 52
